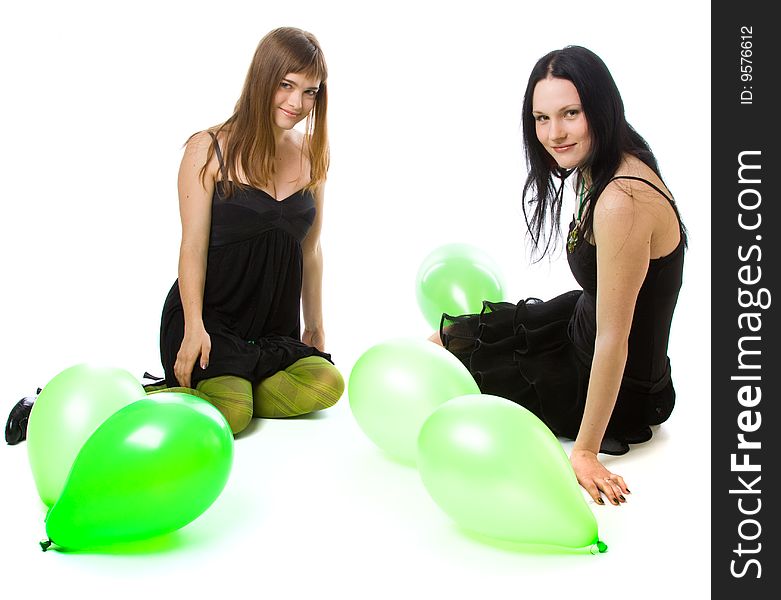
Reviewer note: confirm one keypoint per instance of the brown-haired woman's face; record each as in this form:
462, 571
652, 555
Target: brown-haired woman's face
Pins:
560, 123
293, 100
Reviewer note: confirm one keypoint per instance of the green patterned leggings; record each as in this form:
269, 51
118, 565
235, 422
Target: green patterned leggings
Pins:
306, 386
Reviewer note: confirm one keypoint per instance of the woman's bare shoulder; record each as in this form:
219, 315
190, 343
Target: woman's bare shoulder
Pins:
634, 167
198, 143
641, 206
196, 154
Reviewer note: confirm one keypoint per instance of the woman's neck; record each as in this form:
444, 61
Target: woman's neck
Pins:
280, 136
583, 179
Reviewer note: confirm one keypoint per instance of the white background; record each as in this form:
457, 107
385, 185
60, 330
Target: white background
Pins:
424, 116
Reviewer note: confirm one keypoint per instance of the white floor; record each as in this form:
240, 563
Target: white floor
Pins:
424, 113
312, 508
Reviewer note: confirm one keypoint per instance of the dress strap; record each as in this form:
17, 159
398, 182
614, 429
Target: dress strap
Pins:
665, 196
217, 150
670, 200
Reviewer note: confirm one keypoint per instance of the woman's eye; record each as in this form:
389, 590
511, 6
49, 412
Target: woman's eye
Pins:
573, 113
285, 85
311, 93
540, 118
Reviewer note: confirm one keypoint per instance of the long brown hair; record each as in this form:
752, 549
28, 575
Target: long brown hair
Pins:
250, 145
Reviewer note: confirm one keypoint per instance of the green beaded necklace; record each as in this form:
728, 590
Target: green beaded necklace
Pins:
572, 239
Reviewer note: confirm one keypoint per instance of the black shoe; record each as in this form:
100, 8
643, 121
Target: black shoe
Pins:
16, 427
157, 385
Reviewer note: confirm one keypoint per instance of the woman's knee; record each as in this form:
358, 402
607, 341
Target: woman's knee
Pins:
232, 396
309, 385
321, 378
237, 420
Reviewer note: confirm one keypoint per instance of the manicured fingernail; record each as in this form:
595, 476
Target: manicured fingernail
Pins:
628, 491
600, 501
622, 498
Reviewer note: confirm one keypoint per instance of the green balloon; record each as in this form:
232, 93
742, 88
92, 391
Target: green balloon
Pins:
67, 411
455, 279
395, 385
149, 469
497, 470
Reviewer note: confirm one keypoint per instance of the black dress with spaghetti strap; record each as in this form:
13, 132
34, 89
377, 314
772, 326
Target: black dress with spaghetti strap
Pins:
252, 291
538, 354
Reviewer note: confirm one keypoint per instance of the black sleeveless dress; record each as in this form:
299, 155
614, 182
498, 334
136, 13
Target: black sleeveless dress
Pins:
252, 292
538, 354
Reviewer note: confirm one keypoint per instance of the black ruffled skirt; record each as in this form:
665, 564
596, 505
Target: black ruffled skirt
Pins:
524, 352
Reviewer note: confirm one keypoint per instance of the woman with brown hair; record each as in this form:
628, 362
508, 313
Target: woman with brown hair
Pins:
251, 205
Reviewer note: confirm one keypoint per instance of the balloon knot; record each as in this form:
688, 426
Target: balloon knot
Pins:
45, 544
598, 548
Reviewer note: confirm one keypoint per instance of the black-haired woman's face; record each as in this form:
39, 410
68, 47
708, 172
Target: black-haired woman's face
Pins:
560, 123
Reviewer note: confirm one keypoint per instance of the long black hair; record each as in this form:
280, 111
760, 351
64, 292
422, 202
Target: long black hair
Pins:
611, 138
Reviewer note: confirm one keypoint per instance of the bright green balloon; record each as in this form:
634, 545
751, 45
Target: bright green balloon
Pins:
394, 386
67, 411
455, 279
149, 469
496, 469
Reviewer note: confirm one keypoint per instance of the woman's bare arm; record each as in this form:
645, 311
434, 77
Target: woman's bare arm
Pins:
312, 286
622, 233
195, 211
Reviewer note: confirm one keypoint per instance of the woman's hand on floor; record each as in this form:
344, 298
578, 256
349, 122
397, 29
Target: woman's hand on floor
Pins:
596, 479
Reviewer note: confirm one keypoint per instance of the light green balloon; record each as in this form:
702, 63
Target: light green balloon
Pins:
395, 385
68, 410
149, 469
455, 279
497, 470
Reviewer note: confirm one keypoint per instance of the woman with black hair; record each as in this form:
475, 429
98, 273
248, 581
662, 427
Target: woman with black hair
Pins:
591, 363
